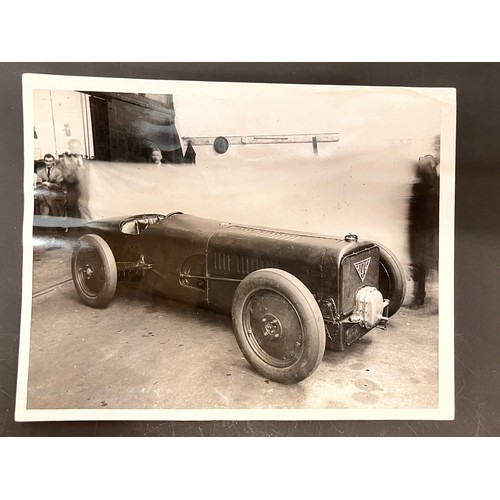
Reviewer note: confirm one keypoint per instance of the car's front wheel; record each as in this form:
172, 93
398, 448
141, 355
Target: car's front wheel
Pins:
278, 325
93, 268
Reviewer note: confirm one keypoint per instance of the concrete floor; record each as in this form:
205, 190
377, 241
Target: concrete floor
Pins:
144, 352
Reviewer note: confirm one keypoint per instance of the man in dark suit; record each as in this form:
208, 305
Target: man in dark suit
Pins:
49, 194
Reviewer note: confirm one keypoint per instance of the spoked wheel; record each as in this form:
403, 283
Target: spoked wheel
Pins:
392, 279
278, 325
94, 271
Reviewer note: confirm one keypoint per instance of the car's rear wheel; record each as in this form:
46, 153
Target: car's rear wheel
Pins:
392, 280
93, 268
278, 325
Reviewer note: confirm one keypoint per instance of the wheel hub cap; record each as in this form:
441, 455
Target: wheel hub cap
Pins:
88, 271
271, 327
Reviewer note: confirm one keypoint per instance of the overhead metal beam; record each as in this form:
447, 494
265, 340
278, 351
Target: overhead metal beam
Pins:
266, 139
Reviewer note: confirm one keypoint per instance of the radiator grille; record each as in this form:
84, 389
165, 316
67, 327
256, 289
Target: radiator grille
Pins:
351, 279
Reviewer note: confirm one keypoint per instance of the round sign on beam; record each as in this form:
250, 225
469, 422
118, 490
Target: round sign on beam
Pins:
221, 145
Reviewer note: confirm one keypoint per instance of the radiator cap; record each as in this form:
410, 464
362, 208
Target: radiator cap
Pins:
351, 237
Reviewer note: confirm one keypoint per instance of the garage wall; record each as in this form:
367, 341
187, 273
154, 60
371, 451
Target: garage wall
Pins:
58, 117
366, 118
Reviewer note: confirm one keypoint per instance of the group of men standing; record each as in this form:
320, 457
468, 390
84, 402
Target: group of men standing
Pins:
61, 187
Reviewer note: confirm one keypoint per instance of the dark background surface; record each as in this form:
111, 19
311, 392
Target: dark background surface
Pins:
477, 267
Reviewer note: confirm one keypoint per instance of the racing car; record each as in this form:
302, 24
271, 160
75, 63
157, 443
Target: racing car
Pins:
290, 294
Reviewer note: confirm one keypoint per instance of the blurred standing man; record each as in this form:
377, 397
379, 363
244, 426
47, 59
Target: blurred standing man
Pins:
49, 188
75, 173
424, 225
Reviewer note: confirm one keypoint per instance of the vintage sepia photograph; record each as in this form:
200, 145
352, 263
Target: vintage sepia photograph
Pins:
215, 250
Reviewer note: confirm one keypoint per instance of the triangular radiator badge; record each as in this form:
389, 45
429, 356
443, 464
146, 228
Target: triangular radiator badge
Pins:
362, 267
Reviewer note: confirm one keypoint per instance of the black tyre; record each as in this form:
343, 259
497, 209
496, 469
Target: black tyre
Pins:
278, 325
94, 271
392, 280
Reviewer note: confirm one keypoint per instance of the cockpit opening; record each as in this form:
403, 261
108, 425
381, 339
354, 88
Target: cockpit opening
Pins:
138, 223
